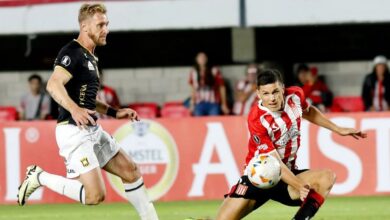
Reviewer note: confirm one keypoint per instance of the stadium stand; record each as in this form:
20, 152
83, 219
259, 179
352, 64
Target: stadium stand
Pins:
347, 104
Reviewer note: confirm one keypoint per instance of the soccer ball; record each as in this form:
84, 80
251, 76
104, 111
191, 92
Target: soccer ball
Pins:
264, 171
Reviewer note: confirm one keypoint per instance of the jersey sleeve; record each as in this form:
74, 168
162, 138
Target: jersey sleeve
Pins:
260, 138
67, 59
299, 92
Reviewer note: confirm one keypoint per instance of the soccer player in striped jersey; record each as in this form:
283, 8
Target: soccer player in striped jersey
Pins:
274, 126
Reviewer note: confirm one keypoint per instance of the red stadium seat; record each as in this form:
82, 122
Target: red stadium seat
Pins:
173, 103
175, 110
145, 109
347, 104
8, 113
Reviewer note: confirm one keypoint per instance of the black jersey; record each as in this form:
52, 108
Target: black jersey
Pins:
83, 86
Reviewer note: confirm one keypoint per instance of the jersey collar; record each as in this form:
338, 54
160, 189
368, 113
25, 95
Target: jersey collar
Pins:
260, 105
93, 55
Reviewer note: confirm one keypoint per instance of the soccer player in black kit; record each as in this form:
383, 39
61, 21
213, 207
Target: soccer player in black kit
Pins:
84, 145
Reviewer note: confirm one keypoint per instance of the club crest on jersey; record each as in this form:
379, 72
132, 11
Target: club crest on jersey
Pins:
256, 139
84, 162
90, 66
66, 60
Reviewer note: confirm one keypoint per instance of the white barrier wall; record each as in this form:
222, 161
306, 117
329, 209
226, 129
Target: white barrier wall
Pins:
123, 15
345, 78
187, 14
133, 85
171, 84
309, 12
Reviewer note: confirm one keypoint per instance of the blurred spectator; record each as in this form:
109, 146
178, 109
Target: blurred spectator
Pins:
208, 95
107, 95
302, 72
376, 86
316, 90
245, 93
34, 105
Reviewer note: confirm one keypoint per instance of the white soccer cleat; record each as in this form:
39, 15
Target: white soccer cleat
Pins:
30, 184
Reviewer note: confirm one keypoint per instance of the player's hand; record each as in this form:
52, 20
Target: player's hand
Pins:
127, 113
304, 191
351, 132
82, 116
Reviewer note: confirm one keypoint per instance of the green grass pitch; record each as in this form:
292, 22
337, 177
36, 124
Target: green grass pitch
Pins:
356, 208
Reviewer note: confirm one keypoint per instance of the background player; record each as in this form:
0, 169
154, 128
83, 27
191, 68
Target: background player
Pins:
274, 127
83, 144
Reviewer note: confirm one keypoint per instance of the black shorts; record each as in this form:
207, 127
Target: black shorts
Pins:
245, 189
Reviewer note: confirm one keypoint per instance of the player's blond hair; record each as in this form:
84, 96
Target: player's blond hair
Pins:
88, 10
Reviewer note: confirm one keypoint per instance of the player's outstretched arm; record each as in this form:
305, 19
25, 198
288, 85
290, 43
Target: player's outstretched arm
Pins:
56, 88
315, 116
123, 113
288, 177
127, 113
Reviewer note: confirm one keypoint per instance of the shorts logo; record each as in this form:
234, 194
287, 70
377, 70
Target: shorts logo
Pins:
241, 189
256, 139
65, 60
84, 162
70, 171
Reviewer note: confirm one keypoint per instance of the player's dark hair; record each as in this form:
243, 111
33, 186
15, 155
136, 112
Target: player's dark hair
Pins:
35, 76
269, 76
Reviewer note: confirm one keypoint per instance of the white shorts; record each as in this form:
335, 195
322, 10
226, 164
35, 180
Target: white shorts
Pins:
85, 149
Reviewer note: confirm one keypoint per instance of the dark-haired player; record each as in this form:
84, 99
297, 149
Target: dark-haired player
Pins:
274, 126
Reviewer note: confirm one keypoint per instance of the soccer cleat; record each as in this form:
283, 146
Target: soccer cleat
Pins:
30, 184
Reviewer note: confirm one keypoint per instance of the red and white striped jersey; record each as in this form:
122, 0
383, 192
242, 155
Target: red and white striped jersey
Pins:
280, 130
379, 101
204, 92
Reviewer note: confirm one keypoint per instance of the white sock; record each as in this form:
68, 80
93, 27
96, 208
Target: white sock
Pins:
138, 197
67, 187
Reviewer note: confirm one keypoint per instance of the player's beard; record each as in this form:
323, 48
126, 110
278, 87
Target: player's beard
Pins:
101, 41
98, 40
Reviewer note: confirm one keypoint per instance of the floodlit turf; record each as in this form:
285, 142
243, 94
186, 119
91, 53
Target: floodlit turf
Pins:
356, 208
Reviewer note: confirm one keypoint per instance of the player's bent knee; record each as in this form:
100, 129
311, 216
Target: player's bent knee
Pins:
94, 198
330, 177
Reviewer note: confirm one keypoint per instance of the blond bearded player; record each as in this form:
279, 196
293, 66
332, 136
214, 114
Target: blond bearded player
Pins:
84, 145
274, 127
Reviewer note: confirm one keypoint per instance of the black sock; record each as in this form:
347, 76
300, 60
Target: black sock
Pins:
310, 206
